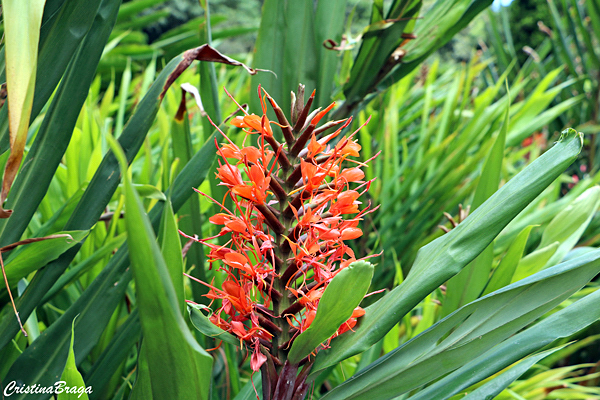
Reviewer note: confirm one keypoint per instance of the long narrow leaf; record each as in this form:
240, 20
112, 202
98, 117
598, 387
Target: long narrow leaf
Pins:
446, 256
177, 364
469, 283
453, 343
22, 23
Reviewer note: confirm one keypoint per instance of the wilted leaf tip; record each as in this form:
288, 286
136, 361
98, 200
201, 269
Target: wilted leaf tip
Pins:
569, 133
202, 53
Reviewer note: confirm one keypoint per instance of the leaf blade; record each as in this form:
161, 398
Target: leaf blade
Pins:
335, 308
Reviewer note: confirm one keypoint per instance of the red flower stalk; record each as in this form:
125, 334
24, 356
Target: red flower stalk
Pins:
294, 206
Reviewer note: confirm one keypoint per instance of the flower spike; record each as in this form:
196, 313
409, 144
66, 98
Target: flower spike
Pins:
294, 207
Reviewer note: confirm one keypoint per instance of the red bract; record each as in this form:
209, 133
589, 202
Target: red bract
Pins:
292, 206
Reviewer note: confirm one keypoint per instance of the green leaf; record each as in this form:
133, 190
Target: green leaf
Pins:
534, 262
518, 135
561, 324
22, 22
203, 324
436, 27
248, 391
55, 132
178, 365
300, 46
61, 33
504, 272
268, 52
491, 389
35, 255
142, 387
376, 50
145, 191
130, 9
469, 283
446, 256
75, 386
82, 267
10, 353
328, 26
103, 369
170, 246
102, 187
463, 341
343, 294
568, 225
190, 216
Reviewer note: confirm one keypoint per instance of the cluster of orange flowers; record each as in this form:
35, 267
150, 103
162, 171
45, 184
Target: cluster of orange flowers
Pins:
292, 208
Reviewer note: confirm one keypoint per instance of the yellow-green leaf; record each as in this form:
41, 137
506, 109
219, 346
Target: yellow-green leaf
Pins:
74, 386
22, 21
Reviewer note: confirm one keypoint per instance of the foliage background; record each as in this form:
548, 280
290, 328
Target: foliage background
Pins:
453, 126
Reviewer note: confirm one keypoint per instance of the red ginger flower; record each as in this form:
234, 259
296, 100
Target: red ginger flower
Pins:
293, 210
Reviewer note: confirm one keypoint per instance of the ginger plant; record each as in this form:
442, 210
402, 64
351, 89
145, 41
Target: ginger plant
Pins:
294, 206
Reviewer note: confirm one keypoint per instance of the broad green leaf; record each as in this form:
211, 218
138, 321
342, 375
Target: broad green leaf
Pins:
75, 387
466, 337
203, 324
22, 22
327, 28
446, 256
300, 46
35, 255
504, 272
178, 366
268, 52
343, 294
469, 283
